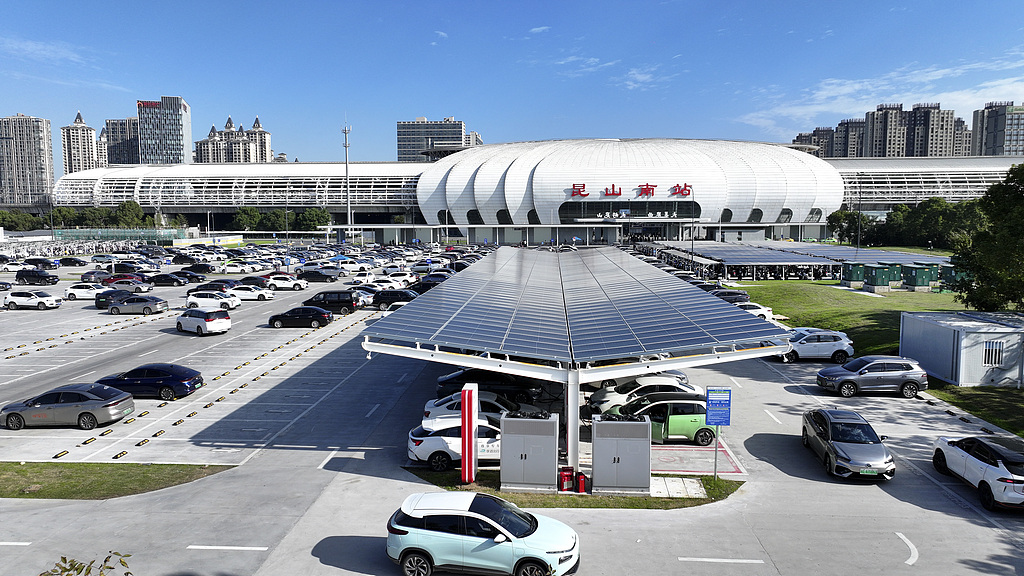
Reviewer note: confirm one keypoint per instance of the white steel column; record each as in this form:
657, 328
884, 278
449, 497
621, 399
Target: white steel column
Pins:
572, 419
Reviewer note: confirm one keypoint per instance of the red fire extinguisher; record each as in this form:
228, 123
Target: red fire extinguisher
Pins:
581, 483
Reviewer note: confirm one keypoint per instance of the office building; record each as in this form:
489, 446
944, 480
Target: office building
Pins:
122, 141
26, 161
998, 130
165, 131
78, 146
423, 140
235, 145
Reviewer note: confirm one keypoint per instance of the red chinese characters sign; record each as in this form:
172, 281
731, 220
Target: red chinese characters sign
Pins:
684, 190
643, 190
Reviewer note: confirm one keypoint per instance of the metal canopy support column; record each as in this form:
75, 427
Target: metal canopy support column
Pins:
572, 419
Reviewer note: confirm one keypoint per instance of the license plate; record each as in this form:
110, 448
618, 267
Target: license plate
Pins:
869, 472
128, 411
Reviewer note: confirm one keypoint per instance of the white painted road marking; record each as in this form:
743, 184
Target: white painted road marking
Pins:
15, 543
242, 548
722, 560
913, 550
772, 416
326, 460
83, 375
738, 385
148, 353
372, 410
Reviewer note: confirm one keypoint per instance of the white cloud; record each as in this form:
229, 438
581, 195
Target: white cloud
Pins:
539, 29
576, 66
17, 76
441, 34
643, 78
53, 52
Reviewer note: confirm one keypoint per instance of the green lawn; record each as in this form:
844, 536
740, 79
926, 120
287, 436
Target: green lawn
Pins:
873, 323
87, 481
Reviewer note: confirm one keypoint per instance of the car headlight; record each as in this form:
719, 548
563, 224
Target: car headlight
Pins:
840, 455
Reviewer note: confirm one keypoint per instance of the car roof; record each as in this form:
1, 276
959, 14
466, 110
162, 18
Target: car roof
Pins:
172, 368
79, 387
418, 505
673, 397
1011, 449
648, 380
206, 309
844, 416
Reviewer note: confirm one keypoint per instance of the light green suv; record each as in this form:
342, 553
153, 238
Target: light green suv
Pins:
674, 416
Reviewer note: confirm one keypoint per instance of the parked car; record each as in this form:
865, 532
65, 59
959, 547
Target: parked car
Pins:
43, 263
82, 405
168, 280
762, 312
406, 278
236, 268
185, 259
5, 286
72, 261
165, 381
384, 298
363, 277
251, 293
131, 285
338, 301
818, 343
209, 298
731, 296
498, 537
992, 464
437, 441
392, 308
15, 265
94, 276
489, 404
120, 276
103, 259
204, 320
35, 276
285, 282
517, 388
606, 398
257, 281
303, 316
229, 282
138, 305
208, 287
875, 374
846, 444
85, 291
201, 268
674, 416
106, 298
315, 276
31, 299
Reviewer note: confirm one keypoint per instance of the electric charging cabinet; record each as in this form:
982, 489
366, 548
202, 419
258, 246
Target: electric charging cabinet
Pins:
622, 457
529, 454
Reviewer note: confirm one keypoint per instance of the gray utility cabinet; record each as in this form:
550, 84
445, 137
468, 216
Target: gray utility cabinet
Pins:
529, 454
622, 457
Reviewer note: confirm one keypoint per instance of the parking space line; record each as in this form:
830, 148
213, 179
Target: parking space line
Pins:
772, 416
15, 543
148, 353
84, 375
372, 410
328, 459
913, 549
233, 548
722, 560
738, 385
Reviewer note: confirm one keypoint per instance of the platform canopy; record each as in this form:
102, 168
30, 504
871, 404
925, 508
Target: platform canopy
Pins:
581, 308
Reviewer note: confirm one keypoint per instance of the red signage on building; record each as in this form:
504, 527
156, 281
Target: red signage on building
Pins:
613, 191
646, 190
684, 190
580, 190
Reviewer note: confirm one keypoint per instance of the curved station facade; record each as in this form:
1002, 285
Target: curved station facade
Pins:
565, 191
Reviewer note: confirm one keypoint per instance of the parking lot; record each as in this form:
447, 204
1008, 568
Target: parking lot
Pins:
319, 432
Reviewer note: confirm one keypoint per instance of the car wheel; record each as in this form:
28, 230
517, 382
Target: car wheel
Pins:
908, 390
607, 383
939, 462
166, 393
790, 356
147, 311
86, 421
115, 310
22, 281
296, 287
176, 283
278, 324
15, 422
840, 357
344, 311
12, 306
531, 569
762, 316
261, 297
988, 501
180, 327
847, 389
199, 330
704, 436
41, 306
829, 468
314, 323
383, 306
416, 564
272, 286
439, 461
72, 296
137, 290
193, 305
225, 306
803, 438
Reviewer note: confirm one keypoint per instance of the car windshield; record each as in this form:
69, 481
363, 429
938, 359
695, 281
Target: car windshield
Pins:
635, 406
856, 365
506, 404
854, 433
627, 387
518, 522
105, 392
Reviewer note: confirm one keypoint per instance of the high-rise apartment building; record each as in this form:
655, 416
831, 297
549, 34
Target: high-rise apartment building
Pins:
101, 149
848, 141
885, 131
122, 141
235, 145
78, 146
165, 131
822, 139
998, 130
929, 131
421, 135
26, 160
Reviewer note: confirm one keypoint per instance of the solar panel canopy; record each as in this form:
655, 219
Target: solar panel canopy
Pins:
592, 305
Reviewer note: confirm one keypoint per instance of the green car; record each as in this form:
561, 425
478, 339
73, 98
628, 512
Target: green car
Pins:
674, 416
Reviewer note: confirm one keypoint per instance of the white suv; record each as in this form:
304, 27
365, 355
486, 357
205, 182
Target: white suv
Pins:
992, 464
818, 343
285, 282
31, 299
214, 299
204, 320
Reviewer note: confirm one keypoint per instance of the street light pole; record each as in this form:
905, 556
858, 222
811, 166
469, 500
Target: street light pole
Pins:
348, 191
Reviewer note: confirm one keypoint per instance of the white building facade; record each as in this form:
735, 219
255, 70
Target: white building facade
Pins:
78, 146
26, 161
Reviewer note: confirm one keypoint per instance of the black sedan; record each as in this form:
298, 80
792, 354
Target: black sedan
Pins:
518, 388
184, 259
731, 296
106, 298
255, 281
209, 287
315, 276
5, 286
42, 263
72, 261
201, 268
191, 276
229, 282
168, 280
165, 381
93, 276
302, 317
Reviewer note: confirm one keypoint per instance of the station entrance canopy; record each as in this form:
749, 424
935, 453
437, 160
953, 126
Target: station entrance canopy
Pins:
571, 317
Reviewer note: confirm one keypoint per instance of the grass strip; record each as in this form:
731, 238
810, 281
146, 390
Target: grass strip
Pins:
94, 481
489, 482
1003, 407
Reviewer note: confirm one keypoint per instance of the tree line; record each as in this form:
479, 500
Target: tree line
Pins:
934, 223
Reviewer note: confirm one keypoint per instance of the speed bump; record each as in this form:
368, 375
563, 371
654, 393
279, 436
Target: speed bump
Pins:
105, 432
158, 433
144, 440
180, 421
90, 440
61, 453
120, 454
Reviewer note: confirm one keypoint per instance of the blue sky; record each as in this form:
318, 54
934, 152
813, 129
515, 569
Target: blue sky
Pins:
513, 71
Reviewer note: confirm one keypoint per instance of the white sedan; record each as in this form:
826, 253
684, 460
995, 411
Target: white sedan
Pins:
85, 291
235, 268
215, 299
438, 441
251, 293
406, 278
605, 398
762, 312
490, 404
14, 266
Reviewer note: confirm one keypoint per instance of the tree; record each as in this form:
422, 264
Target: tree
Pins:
991, 260
273, 221
63, 216
128, 215
845, 224
179, 221
247, 218
19, 221
310, 218
95, 217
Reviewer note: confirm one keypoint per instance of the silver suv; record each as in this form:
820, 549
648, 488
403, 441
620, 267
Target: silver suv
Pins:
875, 374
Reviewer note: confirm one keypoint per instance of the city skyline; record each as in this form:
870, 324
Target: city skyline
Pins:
513, 72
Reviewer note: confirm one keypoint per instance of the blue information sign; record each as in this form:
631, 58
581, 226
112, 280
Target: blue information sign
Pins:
719, 402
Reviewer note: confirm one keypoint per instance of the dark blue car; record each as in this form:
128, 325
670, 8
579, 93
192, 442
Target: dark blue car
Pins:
165, 381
